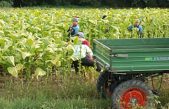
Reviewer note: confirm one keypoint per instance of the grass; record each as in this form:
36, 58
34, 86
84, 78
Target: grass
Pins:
81, 103
58, 92
55, 92
164, 95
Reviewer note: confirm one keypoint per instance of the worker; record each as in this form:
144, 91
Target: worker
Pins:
74, 28
137, 24
83, 53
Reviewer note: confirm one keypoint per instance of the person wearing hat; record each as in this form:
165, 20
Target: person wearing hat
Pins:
83, 54
82, 38
74, 28
138, 26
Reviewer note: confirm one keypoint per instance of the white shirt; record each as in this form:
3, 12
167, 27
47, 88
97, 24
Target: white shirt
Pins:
80, 51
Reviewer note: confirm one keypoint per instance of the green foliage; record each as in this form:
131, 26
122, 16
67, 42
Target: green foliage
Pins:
36, 38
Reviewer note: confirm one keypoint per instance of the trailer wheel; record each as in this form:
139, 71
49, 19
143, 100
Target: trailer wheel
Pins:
102, 85
132, 93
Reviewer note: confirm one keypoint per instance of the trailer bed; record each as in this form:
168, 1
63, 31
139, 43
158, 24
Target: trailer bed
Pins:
133, 55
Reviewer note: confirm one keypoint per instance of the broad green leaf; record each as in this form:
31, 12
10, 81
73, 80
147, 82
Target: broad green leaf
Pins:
1, 33
25, 54
56, 60
14, 71
2, 42
70, 49
93, 22
2, 22
29, 42
19, 67
11, 60
39, 72
76, 40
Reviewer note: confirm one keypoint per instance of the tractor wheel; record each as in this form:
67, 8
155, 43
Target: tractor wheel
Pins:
132, 94
102, 85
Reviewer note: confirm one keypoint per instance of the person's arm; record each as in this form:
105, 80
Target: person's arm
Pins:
87, 43
130, 28
89, 52
140, 29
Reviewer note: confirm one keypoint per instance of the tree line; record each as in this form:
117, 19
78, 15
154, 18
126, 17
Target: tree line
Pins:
112, 3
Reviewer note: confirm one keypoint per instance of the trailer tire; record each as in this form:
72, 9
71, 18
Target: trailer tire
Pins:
101, 84
132, 93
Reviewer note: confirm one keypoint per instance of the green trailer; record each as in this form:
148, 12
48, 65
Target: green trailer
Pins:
127, 63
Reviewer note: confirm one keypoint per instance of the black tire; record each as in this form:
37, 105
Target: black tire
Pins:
102, 83
119, 97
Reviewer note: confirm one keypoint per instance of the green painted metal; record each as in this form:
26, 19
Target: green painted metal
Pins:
133, 55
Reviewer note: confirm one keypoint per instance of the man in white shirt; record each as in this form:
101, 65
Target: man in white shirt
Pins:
83, 53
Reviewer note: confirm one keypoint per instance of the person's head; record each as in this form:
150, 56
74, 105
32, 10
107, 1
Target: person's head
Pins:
80, 35
136, 22
75, 21
78, 38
